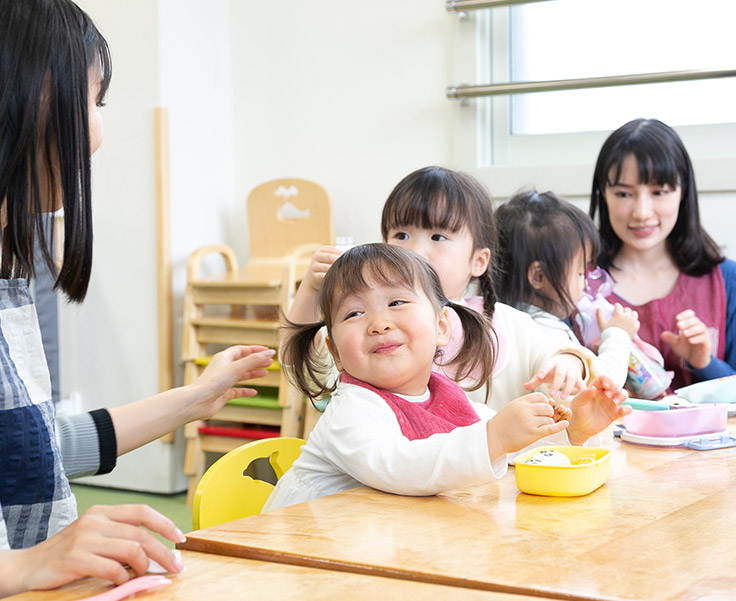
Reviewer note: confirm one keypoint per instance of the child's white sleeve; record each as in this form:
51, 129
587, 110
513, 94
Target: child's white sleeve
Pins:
586, 356
365, 442
613, 355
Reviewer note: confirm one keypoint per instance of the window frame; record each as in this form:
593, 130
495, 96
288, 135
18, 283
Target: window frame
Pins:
564, 163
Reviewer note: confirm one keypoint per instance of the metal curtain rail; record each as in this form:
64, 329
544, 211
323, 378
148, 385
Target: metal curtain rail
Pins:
468, 91
456, 6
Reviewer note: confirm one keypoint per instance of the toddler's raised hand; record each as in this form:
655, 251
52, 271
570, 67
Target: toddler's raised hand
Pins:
522, 422
321, 261
622, 317
594, 408
304, 308
692, 342
563, 373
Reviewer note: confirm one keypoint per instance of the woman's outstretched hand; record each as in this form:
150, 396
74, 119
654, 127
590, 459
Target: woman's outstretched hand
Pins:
216, 384
143, 421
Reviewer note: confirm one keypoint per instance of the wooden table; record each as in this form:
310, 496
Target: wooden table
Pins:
219, 578
661, 528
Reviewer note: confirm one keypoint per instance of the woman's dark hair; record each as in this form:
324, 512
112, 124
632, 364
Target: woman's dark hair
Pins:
435, 197
47, 48
541, 227
661, 159
354, 271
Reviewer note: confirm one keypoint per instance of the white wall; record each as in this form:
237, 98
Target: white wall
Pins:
349, 94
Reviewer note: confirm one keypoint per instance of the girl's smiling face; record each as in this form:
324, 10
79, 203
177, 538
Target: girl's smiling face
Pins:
387, 336
641, 215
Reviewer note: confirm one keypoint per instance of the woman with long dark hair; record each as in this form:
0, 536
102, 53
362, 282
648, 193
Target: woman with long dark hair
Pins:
665, 265
55, 68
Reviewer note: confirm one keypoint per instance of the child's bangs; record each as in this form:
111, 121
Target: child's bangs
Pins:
357, 277
426, 211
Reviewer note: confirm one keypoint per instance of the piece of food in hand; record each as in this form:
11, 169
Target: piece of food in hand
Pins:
561, 411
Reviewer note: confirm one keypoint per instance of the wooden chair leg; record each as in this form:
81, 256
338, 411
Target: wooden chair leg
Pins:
291, 402
195, 460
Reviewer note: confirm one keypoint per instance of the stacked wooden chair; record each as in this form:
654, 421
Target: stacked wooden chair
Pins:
288, 219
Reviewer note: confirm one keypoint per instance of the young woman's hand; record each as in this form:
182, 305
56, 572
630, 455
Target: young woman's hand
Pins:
622, 317
99, 544
522, 422
692, 342
215, 385
563, 373
594, 408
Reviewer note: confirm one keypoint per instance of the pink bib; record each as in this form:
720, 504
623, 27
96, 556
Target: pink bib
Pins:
446, 408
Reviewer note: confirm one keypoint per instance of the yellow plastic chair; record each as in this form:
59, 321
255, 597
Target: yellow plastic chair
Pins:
226, 493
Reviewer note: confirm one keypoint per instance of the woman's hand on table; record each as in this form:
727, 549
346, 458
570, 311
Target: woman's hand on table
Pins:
100, 544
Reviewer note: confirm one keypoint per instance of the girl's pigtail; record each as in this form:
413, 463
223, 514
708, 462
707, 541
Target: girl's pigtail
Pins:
302, 363
488, 290
477, 355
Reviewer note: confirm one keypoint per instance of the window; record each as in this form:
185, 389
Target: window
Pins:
551, 139
578, 38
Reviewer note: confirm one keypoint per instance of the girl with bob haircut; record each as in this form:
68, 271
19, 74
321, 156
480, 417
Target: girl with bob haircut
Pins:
664, 264
55, 69
443, 200
392, 422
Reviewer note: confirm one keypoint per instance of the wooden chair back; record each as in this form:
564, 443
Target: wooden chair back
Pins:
284, 214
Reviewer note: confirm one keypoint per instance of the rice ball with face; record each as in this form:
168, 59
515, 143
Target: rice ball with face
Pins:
550, 457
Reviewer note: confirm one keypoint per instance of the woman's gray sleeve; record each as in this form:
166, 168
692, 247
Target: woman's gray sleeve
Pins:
87, 443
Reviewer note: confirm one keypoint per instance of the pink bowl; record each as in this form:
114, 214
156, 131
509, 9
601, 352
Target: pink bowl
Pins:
682, 421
